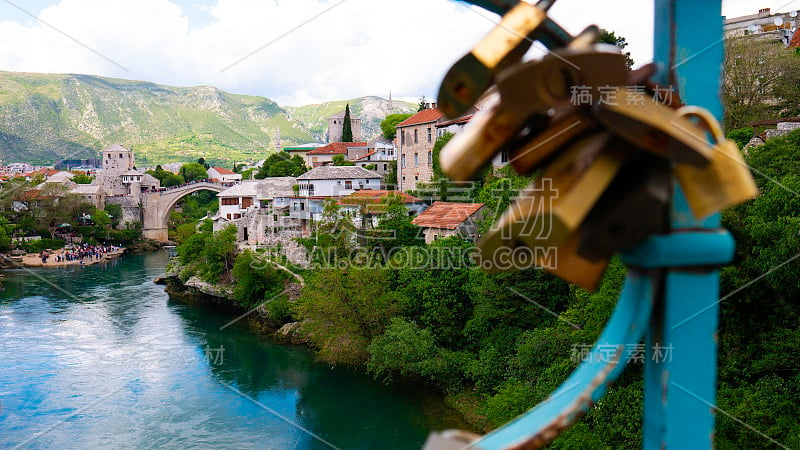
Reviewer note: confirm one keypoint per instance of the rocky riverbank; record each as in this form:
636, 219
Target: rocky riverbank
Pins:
195, 291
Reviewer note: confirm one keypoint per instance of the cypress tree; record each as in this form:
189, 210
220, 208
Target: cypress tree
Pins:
347, 127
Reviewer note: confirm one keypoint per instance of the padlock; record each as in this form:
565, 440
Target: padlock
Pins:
654, 127
555, 79
633, 207
562, 260
473, 148
506, 44
561, 130
725, 182
550, 210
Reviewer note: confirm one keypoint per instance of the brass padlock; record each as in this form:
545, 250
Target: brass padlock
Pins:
725, 182
561, 260
633, 207
506, 44
549, 211
649, 125
538, 85
472, 149
561, 131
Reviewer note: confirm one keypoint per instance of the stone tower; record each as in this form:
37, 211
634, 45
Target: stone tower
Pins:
336, 125
117, 161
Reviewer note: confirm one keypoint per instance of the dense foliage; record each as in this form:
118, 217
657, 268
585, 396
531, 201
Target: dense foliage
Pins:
429, 315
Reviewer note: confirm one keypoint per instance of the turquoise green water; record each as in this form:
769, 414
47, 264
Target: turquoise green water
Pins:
100, 357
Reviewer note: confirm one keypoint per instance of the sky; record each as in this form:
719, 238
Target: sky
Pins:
295, 52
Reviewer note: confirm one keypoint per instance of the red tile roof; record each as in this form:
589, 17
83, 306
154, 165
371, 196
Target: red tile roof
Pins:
336, 148
795, 42
447, 215
365, 156
462, 119
223, 171
425, 116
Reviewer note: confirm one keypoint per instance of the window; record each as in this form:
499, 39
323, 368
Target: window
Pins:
348, 184
367, 181
429, 135
275, 217
504, 156
229, 201
385, 167
416, 178
120, 155
416, 159
403, 138
415, 136
311, 189
247, 202
403, 161
430, 159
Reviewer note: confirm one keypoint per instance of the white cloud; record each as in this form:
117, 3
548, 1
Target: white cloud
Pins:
360, 47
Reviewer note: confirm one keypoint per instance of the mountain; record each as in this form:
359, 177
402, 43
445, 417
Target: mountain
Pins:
45, 118
371, 111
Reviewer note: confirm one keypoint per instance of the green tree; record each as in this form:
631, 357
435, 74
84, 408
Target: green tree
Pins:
343, 309
608, 37
115, 213
166, 178
192, 172
338, 160
423, 104
202, 162
390, 122
255, 279
753, 88
347, 126
82, 178
390, 179
281, 165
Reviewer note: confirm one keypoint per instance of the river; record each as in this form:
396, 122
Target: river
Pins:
101, 357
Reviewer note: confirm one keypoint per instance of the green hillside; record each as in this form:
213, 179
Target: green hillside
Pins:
45, 118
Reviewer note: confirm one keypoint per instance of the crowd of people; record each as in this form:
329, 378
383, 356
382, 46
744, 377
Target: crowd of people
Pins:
83, 252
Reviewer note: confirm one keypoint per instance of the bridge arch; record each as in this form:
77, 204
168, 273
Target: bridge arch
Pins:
157, 205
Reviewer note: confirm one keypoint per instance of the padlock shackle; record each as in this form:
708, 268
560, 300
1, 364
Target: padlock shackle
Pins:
707, 120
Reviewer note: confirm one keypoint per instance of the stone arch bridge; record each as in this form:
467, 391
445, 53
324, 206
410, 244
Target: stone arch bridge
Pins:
157, 205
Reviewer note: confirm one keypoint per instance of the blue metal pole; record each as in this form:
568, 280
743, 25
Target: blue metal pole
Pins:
681, 368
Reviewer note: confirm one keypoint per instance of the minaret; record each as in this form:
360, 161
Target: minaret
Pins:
391, 106
277, 139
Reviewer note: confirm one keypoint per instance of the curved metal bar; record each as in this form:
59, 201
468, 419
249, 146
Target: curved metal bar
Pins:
590, 380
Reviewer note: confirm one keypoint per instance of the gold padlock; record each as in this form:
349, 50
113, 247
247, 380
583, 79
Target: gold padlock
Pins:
549, 211
725, 182
506, 44
644, 122
473, 148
